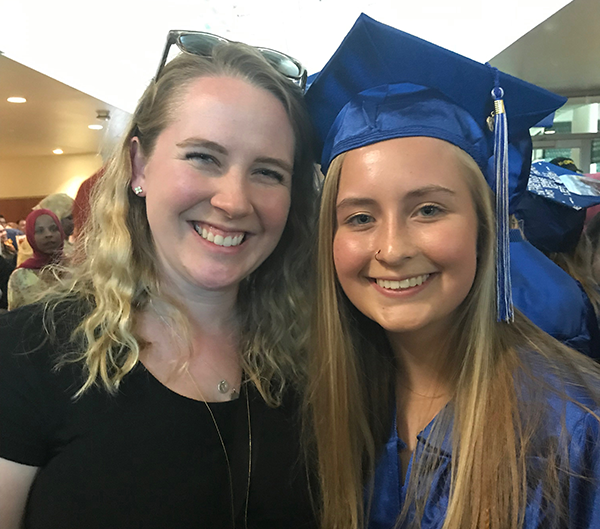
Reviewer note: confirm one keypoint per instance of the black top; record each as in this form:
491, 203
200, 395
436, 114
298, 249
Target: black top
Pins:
146, 457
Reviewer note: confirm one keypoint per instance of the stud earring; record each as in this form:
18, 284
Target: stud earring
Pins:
138, 190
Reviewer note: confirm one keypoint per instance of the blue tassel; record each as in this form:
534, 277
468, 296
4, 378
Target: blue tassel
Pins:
503, 279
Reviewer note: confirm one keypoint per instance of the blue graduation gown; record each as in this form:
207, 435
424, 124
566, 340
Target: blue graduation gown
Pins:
551, 298
584, 483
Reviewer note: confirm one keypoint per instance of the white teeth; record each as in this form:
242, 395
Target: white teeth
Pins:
219, 240
404, 284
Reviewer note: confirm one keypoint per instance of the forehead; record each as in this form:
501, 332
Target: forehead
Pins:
233, 111
44, 221
212, 94
401, 165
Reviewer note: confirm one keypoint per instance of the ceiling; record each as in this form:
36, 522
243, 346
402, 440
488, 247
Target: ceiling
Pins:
54, 116
562, 54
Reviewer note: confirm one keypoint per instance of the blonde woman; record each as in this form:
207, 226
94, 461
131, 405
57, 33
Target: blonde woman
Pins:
156, 388
493, 424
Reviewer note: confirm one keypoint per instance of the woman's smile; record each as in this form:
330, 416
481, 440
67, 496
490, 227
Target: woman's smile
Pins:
405, 248
217, 184
407, 285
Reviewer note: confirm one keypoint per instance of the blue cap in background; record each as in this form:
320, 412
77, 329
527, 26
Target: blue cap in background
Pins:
552, 210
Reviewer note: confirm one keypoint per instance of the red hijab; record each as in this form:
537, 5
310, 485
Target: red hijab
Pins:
41, 259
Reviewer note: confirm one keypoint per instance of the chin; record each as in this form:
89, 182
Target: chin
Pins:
215, 283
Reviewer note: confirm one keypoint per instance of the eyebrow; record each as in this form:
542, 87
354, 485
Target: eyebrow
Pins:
355, 202
415, 193
426, 190
217, 147
200, 142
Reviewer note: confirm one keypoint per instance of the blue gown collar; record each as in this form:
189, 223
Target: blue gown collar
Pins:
388, 492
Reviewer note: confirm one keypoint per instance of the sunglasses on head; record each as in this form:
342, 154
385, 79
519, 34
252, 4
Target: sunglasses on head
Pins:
202, 44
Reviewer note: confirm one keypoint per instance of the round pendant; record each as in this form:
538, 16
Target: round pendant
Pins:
223, 386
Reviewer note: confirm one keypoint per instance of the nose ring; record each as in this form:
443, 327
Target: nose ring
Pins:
378, 252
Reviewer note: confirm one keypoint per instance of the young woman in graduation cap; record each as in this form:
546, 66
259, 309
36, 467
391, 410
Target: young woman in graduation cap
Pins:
493, 423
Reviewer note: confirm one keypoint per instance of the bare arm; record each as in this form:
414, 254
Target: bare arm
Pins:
15, 482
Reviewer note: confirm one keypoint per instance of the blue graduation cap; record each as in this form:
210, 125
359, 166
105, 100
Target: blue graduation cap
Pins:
382, 83
553, 208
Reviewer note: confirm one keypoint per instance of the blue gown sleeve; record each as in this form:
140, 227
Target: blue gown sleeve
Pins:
584, 482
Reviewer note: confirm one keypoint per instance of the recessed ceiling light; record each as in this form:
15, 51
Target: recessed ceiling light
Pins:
15, 99
95, 127
57, 151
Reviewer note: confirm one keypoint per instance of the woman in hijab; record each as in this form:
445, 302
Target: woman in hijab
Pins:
46, 237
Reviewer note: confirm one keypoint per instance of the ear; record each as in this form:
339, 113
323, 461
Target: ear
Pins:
138, 164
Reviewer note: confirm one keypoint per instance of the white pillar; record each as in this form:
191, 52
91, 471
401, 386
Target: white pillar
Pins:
585, 119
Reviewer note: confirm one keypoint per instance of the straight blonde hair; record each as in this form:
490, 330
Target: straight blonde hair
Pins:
350, 398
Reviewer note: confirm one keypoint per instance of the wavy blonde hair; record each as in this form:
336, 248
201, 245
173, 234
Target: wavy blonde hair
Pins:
115, 269
350, 399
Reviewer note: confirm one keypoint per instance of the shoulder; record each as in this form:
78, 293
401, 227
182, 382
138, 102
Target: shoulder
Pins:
563, 386
573, 403
537, 284
24, 276
35, 326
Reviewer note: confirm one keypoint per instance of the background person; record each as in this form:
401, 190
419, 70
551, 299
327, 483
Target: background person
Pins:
7, 265
61, 205
10, 235
592, 232
174, 402
552, 213
32, 277
424, 391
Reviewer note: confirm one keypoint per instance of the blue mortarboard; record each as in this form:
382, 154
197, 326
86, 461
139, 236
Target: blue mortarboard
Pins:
382, 83
553, 208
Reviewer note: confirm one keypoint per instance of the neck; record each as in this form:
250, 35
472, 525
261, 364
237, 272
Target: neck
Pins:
424, 383
423, 363
193, 365
207, 310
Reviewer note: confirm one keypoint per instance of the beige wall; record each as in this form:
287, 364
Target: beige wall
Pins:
44, 175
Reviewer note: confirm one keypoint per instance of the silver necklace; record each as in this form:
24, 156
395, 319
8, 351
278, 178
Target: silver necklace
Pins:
214, 420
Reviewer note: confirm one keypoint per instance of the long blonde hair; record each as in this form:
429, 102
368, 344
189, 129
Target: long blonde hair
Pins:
115, 270
350, 399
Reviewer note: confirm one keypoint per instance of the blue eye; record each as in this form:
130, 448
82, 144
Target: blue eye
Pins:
429, 210
360, 220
